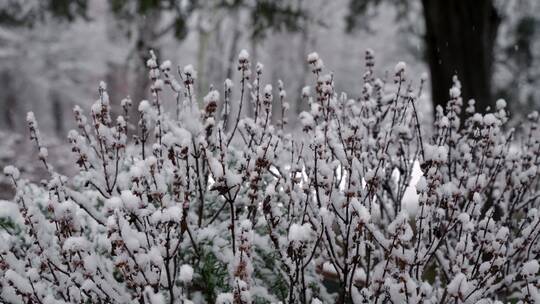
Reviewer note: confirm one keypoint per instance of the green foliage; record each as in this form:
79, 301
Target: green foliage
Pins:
430, 273
68, 9
6, 224
129, 11
275, 15
22, 13
146, 5
213, 277
259, 300
361, 11
180, 28
524, 36
275, 281
357, 9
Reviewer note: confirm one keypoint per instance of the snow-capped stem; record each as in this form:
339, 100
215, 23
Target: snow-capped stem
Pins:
363, 196
238, 115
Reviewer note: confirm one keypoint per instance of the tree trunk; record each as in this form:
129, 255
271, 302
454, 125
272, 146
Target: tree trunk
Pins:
233, 51
202, 74
57, 113
299, 106
8, 100
231, 61
146, 41
460, 38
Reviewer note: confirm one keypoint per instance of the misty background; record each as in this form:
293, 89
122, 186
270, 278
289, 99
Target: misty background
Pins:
54, 53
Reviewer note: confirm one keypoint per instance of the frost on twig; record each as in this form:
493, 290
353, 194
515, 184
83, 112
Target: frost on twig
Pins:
361, 204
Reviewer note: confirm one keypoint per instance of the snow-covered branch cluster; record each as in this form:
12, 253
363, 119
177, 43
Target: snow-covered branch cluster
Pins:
363, 204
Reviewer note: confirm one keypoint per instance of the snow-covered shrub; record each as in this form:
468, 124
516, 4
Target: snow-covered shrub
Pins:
362, 205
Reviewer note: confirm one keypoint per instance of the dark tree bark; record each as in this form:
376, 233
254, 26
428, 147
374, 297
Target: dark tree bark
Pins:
57, 113
460, 38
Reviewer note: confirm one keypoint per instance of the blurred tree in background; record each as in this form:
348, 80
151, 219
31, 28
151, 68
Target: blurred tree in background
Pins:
28, 13
143, 25
23, 39
517, 75
477, 40
459, 39
464, 38
144, 20
53, 53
